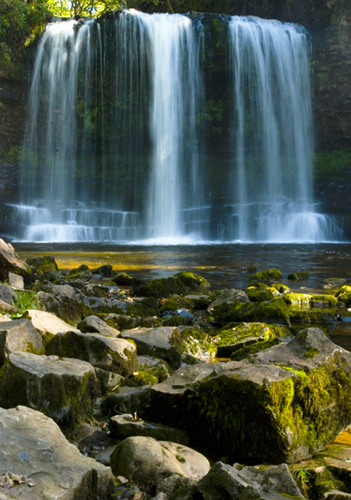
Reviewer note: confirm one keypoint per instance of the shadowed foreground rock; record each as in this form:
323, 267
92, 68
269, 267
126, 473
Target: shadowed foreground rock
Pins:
53, 467
283, 405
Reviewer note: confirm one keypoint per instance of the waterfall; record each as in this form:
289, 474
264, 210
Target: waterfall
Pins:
121, 119
274, 132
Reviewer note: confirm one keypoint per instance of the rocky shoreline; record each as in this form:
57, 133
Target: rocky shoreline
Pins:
115, 387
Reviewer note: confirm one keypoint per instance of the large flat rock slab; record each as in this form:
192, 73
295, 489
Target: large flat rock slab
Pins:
49, 323
64, 389
33, 446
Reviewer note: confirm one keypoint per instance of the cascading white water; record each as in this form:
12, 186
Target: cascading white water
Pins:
113, 145
175, 81
274, 134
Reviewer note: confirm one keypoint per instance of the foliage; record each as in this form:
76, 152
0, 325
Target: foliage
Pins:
85, 8
25, 301
19, 21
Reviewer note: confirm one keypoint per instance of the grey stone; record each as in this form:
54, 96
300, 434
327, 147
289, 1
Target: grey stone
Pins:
93, 324
64, 389
10, 262
229, 296
7, 294
6, 308
221, 478
111, 354
127, 400
108, 380
16, 281
18, 336
147, 461
40, 452
123, 426
157, 342
46, 322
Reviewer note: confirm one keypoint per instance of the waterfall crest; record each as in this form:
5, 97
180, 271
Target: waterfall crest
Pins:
118, 131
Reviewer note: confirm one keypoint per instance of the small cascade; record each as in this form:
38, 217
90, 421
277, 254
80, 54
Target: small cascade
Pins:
130, 137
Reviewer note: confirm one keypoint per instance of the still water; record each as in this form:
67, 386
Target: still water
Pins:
224, 266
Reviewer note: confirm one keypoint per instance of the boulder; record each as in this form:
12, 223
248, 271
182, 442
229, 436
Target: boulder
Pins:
248, 483
93, 324
298, 276
123, 426
10, 262
19, 336
16, 281
48, 324
64, 389
108, 353
127, 400
147, 461
43, 264
192, 282
230, 296
273, 311
68, 308
344, 295
282, 405
7, 294
6, 308
158, 342
162, 288
269, 275
50, 466
240, 340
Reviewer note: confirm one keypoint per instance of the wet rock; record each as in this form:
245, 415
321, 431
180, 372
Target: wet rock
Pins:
274, 311
10, 262
42, 264
192, 282
312, 316
344, 295
19, 336
239, 341
300, 275
93, 324
162, 288
297, 299
108, 353
230, 296
269, 275
147, 461
82, 273
256, 294
40, 452
64, 389
123, 426
157, 342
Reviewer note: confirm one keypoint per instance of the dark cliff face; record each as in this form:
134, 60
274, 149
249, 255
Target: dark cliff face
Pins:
328, 21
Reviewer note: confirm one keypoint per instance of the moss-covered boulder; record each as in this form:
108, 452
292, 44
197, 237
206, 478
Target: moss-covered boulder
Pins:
311, 316
280, 287
196, 345
80, 273
283, 405
269, 275
175, 302
297, 299
163, 288
43, 264
274, 311
257, 294
108, 353
241, 340
300, 275
344, 295
123, 279
192, 281
320, 300
63, 389
229, 296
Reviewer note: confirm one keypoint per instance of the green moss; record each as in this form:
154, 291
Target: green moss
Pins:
140, 378
30, 348
297, 299
344, 295
323, 301
43, 264
269, 275
312, 352
300, 275
180, 459
311, 316
332, 163
197, 344
274, 311
163, 288
123, 279
192, 281
260, 295
176, 321
281, 288
175, 302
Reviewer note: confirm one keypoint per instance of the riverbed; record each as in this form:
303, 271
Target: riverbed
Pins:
223, 265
